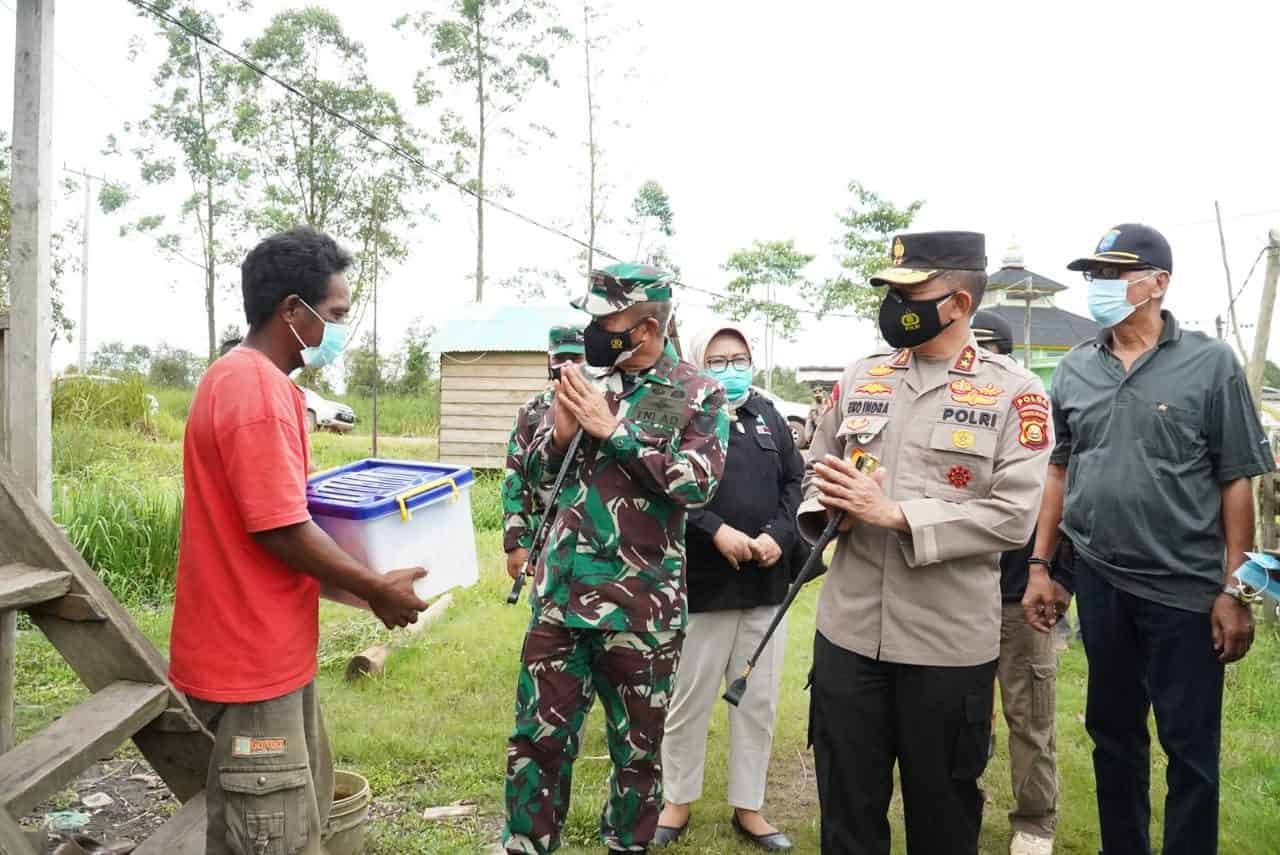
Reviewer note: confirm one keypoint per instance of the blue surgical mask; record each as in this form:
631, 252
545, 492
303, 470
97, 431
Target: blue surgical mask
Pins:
736, 381
1109, 300
330, 346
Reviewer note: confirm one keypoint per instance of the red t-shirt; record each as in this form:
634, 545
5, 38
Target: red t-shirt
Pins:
245, 624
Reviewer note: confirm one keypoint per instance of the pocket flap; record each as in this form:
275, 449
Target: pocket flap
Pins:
863, 429
980, 443
260, 782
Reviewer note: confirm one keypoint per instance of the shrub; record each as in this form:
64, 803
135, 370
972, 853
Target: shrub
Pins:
102, 402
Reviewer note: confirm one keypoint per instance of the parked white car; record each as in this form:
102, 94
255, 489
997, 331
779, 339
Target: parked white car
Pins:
795, 414
323, 414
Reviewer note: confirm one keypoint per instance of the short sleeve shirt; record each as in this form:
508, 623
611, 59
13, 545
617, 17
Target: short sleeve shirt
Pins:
245, 624
1147, 454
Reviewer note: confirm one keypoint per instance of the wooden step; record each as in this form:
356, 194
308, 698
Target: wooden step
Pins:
183, 834
23, 586
39, 767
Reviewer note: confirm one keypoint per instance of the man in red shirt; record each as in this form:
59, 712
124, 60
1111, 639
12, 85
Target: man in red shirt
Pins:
252, 563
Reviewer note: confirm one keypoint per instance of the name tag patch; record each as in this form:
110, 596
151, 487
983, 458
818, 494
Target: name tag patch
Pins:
962, 416
258, 746
659, 406
864, 407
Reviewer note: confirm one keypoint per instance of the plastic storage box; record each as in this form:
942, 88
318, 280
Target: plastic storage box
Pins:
396, 513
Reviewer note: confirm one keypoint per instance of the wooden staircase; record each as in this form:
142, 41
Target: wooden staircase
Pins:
42, 574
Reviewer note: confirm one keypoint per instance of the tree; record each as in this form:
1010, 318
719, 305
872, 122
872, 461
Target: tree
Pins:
783, 383
651, 216
189, 133
60, 259
419, 367
1271, 375
530, 284
868, 223
231, 332
762, 271
319, 170
498, 50
174, 367
365, 372
114, 358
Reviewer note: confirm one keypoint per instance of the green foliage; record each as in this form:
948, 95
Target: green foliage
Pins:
174, 367
760, 273
114, 358
418, 366
785, 385
869, 223
365, 373
317, 170
1271, 375
104, 402
651, 219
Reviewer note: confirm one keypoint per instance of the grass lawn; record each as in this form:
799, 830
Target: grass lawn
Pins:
432, 730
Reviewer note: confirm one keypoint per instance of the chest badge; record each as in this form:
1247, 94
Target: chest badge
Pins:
959, 476
880, 371
963, 439
965, 392
877, 389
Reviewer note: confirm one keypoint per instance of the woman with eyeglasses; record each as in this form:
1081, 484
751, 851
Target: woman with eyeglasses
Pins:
737, 573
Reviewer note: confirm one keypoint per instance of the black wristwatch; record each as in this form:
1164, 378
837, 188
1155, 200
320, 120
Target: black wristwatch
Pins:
1043, 562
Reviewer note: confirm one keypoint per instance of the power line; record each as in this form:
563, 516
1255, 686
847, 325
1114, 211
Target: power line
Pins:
415, 160
1245, 283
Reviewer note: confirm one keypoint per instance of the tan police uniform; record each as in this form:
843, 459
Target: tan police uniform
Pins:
909, 622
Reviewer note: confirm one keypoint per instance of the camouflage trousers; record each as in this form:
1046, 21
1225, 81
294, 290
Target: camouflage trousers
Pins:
562, 671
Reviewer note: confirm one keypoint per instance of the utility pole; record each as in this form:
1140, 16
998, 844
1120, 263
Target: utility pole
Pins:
25, 407
1217, 322
84, 263
1262, 338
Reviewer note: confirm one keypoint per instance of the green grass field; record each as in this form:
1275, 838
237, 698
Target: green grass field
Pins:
432, 729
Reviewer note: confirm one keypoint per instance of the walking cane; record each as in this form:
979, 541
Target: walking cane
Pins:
544, 528
863, 462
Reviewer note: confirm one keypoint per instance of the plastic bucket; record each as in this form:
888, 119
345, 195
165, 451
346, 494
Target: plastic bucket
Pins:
344, 835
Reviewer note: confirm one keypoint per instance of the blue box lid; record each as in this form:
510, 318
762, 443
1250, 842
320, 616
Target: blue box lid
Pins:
373, 488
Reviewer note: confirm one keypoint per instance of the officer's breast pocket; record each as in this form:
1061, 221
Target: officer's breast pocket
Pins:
1168, 432
864, 432
960, 459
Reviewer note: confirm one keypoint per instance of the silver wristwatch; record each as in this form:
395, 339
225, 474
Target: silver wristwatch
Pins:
1240, 594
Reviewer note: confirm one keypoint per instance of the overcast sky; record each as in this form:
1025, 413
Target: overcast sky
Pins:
1040, 123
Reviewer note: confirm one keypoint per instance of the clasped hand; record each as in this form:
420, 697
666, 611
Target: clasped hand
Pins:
841, 487
576, 404
738, 548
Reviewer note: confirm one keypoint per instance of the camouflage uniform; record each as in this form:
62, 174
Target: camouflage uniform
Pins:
609, 594
521, 506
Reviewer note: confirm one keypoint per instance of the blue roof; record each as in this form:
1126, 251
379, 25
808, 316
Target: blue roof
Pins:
504, 328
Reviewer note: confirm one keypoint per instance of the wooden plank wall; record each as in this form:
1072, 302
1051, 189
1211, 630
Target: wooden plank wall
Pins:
479, 396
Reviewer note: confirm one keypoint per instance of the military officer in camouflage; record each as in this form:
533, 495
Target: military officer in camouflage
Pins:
609, 591
521, 505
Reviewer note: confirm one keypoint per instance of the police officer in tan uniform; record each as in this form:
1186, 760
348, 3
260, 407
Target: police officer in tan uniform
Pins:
909, 616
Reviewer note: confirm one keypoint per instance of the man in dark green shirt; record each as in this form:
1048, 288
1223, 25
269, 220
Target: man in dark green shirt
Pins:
1157, 440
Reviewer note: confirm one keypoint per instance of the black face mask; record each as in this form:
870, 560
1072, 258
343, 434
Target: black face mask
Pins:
604, 348
910, 323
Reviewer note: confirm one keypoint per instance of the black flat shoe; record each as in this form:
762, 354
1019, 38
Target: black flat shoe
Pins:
666, 835
775, 842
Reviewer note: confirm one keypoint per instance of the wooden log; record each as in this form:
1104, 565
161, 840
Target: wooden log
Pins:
374, 659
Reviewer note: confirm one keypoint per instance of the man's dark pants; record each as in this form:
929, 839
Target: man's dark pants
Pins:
935, 722
1144, 654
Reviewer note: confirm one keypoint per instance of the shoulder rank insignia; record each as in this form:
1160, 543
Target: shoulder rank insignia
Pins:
901, 359
966, 359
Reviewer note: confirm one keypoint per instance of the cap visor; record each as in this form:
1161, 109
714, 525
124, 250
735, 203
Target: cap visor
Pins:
902, 276
1104, 259
568, 348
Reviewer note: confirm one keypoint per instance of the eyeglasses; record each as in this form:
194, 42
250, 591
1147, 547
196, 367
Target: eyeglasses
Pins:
1113, 272
720, 364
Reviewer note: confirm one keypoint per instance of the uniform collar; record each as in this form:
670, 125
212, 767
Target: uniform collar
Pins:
624, 383
1172, 332
926, 374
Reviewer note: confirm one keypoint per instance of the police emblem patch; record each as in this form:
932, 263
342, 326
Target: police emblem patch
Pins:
963, 439
959, 476
899, 251
911, 321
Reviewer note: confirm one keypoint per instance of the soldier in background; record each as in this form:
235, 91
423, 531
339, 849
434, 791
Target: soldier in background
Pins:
1028, 671
521, 506
608, 596
908, 638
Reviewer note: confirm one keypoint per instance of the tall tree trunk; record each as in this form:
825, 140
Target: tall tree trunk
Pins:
210, 248
591, 145
480, 141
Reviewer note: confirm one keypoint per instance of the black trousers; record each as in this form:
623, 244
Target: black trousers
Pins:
1142, 654
935, 723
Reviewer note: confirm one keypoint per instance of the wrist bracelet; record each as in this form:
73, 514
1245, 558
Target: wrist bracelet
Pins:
1043, 562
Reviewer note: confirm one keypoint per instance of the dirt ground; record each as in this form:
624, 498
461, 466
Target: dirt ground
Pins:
139, 803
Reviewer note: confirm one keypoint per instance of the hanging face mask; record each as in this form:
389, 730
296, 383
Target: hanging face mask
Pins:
330, 346
910, 323
1109, 300
606, 349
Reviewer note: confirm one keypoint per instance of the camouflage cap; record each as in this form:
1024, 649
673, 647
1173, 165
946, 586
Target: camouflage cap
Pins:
621, 285
565, 339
